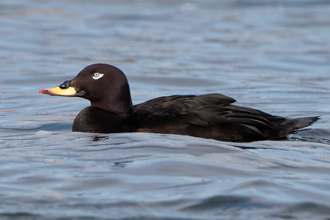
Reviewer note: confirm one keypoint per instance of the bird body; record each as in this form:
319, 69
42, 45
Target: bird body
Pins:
208, 116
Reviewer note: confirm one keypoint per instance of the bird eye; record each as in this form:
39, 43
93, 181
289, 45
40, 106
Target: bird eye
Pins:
97, 75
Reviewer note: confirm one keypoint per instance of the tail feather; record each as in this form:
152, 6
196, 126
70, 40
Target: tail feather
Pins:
295, 125
304, 122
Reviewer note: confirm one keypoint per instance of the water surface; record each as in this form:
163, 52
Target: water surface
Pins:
269, 55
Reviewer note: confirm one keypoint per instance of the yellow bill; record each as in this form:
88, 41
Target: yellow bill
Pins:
70, 91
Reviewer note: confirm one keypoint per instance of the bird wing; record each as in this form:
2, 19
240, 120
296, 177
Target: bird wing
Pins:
202, 111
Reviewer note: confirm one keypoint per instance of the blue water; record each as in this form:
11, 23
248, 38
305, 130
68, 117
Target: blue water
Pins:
269, 55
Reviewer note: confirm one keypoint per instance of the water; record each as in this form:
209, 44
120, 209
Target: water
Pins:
270, 55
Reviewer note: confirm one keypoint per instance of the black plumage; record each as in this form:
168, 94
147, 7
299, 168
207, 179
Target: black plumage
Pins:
207, 116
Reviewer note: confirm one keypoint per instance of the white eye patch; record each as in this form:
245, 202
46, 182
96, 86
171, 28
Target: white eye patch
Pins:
97, 75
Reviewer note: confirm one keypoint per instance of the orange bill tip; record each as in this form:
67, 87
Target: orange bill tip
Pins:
43, 91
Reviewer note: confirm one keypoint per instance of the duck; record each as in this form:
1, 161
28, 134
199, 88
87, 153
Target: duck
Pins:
210, 116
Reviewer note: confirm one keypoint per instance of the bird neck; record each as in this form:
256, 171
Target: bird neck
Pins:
123, 106
119, 103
